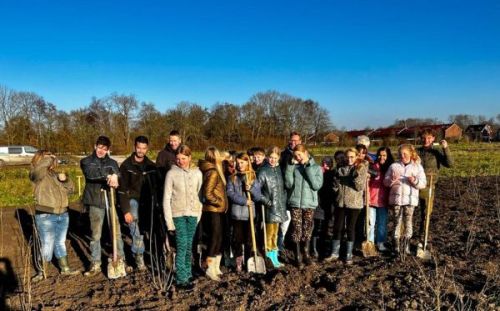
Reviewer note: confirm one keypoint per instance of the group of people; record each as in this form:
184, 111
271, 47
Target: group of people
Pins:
216, 203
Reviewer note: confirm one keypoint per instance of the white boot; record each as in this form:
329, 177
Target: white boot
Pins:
211, 270
218, 259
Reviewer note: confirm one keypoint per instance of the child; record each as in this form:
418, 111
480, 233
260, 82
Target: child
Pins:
405, 177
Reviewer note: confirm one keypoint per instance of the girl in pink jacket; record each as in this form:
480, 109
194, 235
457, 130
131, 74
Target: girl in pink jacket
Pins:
405, 177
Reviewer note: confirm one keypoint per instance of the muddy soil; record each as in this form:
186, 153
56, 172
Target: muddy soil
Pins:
464, 273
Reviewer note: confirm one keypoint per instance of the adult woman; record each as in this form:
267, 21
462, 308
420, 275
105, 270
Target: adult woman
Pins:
349, 183
239, 185
303, 179
182, 210
215, 204
379, 195
405, 177
274, 200
51, 211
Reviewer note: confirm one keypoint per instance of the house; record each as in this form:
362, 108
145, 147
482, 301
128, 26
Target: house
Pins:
450, 131
331, 138
479, 132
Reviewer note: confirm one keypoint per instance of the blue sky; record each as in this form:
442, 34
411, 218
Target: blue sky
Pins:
367, 62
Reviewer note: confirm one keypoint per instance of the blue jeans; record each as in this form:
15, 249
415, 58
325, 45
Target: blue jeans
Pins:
96, 216
378, 224
52, 229
135, 232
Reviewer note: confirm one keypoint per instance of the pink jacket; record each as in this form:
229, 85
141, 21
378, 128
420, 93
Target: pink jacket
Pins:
379, 193
402, 191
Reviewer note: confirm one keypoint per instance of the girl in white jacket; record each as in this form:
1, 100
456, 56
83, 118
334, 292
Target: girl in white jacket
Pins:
405, 177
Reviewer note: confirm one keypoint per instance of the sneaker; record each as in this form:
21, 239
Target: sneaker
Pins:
381, 247
94, 269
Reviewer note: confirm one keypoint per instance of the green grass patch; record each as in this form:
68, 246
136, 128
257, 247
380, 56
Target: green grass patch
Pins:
477, 159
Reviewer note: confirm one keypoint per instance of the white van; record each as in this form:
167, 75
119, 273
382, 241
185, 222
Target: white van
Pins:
16, 155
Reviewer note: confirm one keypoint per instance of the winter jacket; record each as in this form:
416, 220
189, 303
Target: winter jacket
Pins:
96, 171
182, 194
213, 189
137, 180
165, 160
238, 197
302, 183
51, 195
326, 195
379, 193
273, 194
402, 192
432, 160
350, 182
285, 158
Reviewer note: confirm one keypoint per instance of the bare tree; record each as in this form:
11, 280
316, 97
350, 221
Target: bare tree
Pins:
125, 106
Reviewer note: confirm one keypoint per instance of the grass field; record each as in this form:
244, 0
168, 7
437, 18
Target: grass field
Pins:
479, 159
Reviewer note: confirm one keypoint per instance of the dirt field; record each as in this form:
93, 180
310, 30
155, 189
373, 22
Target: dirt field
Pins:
464, 275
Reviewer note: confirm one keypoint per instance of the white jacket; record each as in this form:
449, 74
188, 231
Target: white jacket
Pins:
402, 191
181, 196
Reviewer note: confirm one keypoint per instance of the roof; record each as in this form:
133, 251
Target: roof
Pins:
476, 127
357, 133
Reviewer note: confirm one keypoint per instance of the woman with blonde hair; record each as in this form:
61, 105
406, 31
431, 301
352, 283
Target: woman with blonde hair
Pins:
215, 204
405, 177
303, 179
274, 200
182, 210
243, 191
349, 182
51, 211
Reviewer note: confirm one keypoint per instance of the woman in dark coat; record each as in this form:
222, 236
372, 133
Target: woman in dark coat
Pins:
274, 200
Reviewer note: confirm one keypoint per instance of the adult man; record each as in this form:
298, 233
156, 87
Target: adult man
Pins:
138, 180
432, 160
166, 157
287, 153
101, 172
286, 158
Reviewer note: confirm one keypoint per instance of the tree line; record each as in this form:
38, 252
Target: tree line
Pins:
266, 118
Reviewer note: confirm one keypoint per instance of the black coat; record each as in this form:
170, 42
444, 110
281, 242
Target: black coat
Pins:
96, 171
273, 194
137, 181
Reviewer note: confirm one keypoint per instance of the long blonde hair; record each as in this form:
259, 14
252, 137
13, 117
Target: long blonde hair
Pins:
413, 152
212, 155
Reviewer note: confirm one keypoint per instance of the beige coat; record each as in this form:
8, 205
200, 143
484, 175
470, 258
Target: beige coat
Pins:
181, 195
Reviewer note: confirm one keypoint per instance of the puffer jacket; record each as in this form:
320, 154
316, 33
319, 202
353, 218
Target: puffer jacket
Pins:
238, 197
213, 190
96, 171
402, 192
350, 182
273, 193
51, 195
302, 183
134, 183
379, 193
182, 194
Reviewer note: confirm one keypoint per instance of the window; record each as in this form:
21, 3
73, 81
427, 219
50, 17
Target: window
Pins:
29, 149
15, 150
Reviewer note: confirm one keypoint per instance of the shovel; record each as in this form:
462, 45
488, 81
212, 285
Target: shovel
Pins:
423, 253
368, 247
116, 267
255, 264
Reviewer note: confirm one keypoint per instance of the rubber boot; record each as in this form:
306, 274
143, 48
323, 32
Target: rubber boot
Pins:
42, 274
218, 259
298, 256
314, 246
305, 253
94, 269
335, 251
211, 271
64, 266
276, 262
348, 257
269, 254
239, 264
139, 262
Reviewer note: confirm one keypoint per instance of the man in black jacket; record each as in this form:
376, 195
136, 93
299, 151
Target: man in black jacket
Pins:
101, 172
166, 157
138, 180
